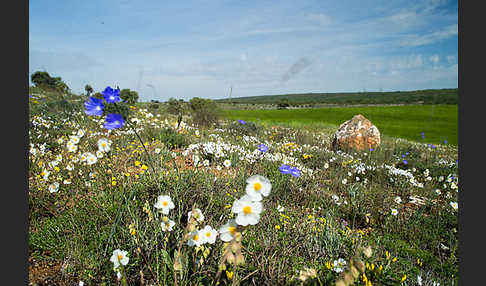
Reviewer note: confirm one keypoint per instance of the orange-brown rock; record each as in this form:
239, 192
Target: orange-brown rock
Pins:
357, 133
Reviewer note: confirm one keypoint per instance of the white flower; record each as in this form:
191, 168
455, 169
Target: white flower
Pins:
280, 208
209, 234
46, 174
218, 168
258, 186
398, 200
118, 275
394, 211
69, 167
165, 203
196, 238
198, 215
104, 145
74, 140
119, 257
437, 191
227, 163
80, 133
60, 140
247, 210
157, 150
419, 280
326, 165
167, 224
81, 283
227, 231
54, 187
59, 158
344, 181
454, 205
339, 265
99, 154
66, 181
91, 158
206, 163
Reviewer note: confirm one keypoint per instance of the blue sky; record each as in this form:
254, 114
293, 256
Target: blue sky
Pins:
184, 49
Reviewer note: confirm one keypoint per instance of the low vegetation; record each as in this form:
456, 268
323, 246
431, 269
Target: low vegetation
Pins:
154, 201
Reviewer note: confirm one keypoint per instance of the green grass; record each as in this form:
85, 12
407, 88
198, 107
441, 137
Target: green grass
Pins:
438, 122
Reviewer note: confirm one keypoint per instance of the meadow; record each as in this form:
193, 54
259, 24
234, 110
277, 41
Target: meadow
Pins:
439, 123
147, 201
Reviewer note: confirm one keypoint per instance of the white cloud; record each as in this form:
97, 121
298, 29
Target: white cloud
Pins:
434, 59
414, 40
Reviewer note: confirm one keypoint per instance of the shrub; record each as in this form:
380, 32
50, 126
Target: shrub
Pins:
205, 112
129, 96
249, 128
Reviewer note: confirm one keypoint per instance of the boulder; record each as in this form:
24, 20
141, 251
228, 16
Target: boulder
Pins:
357, 133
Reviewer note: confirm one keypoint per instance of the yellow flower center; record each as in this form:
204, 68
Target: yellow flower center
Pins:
247, 210
165, 219
165, 204
195, 237
257, 186
120, 257
208, 234
232, 229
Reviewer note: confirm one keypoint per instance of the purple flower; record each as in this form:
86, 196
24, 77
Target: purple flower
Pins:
114, 120
94, 106
263, 148
285, 169
295, 172
371, 149
111, 95
242, 121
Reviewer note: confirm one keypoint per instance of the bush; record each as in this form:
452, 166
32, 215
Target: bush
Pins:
205, 112
172, 139
123, 109
129, 96
175, 106
249, 128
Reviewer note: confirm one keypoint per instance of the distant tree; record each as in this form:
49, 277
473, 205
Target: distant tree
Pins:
283, 103
129, 96
88, 89
42, 79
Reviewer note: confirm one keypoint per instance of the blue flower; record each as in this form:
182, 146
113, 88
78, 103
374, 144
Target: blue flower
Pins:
371, 149
403, 156
114, 120
285, 169
445, 141
263, 148
405, 162
94, 106
407, 153
111, 95
295, 172
242, 121
423, 135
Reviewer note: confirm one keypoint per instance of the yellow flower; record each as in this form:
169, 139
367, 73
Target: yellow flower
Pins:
328, 265
277, 227
229, 274
394, 259
137, 163
404, 277
144, 167
387, 254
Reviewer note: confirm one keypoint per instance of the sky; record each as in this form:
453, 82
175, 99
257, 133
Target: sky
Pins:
214, 49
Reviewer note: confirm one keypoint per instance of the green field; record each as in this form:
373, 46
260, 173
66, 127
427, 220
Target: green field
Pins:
438, 122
